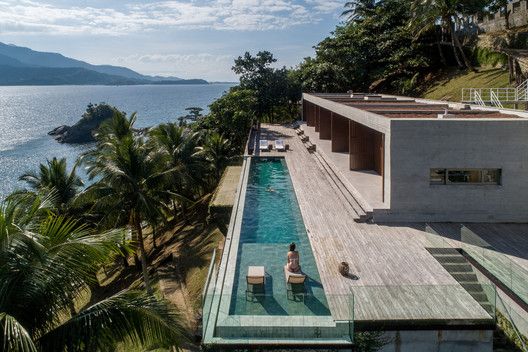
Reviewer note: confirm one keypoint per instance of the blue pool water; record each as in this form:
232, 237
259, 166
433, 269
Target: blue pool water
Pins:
271, 221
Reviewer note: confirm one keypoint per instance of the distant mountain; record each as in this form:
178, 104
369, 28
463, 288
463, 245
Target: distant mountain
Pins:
41, 68
30, 76
9, 61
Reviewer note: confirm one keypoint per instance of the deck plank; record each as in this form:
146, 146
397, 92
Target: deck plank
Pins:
398, 278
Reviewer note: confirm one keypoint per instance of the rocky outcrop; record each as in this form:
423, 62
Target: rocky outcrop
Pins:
83, 131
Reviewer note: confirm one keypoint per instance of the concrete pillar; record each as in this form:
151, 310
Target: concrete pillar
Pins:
339, 136
317, 122
325, 122
310, 121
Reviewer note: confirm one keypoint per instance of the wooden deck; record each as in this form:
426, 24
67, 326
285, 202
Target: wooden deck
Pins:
397, 279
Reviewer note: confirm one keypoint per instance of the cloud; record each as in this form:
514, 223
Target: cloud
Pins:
326, 6
183, 65
37, 17
175, 58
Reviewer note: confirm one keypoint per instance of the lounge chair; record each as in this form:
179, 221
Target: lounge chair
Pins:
295, 284
264, 145
256, 281
279, 145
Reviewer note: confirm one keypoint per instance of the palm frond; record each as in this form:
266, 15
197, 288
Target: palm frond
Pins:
129, 317
14, 337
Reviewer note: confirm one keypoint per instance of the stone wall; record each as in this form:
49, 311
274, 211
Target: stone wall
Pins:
496, 22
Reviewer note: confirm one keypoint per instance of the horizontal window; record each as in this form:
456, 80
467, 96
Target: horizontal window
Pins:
465, 176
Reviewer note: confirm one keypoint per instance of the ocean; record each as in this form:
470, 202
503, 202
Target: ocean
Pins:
27, 114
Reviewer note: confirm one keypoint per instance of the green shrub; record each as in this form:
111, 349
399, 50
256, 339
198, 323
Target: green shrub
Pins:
488, 57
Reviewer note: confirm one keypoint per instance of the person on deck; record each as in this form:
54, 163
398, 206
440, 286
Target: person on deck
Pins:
293, 265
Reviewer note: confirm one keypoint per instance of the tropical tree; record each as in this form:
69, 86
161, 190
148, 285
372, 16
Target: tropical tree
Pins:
218, 153
377, 52
178, 147
48, 264
268, 83
232, 116
194, 113
130, 180
54, 178
358, 9
427, 13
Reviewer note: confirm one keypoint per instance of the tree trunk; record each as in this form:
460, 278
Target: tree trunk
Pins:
154, 234
143, 253
511, 69
453, 45
442, 57
454, 37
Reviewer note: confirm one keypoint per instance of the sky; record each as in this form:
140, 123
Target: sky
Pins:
183, 38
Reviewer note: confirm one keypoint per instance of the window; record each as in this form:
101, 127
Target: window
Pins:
437, 176
465, 176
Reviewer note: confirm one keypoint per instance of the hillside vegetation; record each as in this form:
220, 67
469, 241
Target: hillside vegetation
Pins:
448, 86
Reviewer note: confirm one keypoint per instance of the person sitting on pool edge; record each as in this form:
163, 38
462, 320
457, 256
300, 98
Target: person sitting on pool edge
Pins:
293, 265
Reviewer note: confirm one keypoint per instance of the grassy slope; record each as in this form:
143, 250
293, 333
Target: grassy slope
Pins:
449, 85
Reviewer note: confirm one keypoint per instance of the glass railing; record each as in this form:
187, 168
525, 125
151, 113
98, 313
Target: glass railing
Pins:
292, 317
513, 322
296, 316
418, 305
511, 274
208, 292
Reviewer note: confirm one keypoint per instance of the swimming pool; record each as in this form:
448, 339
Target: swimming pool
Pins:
271, 221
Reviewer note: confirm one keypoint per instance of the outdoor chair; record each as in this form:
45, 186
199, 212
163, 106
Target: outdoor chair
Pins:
295, 285
279, 145
264, 145
256, 282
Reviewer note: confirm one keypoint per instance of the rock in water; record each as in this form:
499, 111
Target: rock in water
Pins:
83, 131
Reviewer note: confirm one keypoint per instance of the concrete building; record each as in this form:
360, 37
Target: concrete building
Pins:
419, 160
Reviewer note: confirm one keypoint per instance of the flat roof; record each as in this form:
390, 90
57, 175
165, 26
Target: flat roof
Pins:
394, 107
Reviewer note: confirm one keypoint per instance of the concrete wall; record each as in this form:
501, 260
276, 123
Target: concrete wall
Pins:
439, 341
420, 145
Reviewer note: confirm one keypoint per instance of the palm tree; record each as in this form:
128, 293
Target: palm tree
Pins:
47, 264
427, 13
129, 186
358, 9
179, 147
53, 177
129, 183
218, 152
119, 126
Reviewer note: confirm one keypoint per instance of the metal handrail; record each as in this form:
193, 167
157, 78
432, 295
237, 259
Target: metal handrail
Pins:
495, 100
522, 91
477, 97
496, 96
